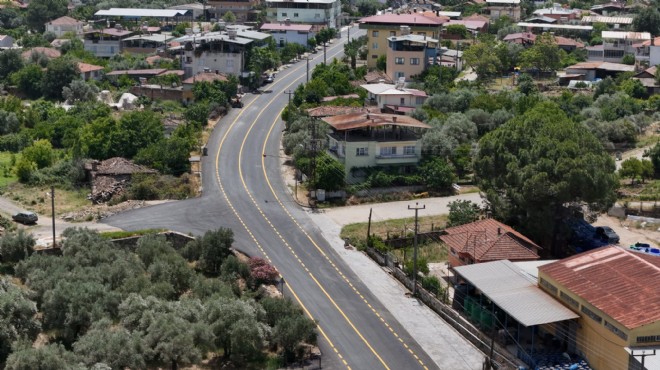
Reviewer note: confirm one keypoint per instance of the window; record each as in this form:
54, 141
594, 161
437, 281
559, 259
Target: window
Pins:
188, 59
387, 150
361, 152
419, 100
568, 299
284, 15
317, 15
648, 339
374, 45
592, 314
397, 75
230, 63
402, 101
409, 150
374, 56
392, 33
551, 288
414, 61
618, 332
399, 60
374, 33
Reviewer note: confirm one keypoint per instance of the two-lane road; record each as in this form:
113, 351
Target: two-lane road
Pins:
244, 190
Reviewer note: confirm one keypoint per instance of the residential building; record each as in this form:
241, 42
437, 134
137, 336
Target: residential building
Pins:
317, 12
287, 32
171, 16
394, 97
559, 13
450, 58
521, 38
89, 71
475, 26
408, 55
647, 78
647, 53
214, 52
145, 44
616, 22
198, 10
63, 25
616, 45
189, 82
380, 27
142, 75
609, 9
598, 70
487, 240
107, 42
242, 9
362, 140
49, 53
6, 42
499, 8
616, 294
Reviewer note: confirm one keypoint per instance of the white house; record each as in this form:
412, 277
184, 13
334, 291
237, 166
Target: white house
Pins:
648, 52
616, 44
217, 52
394, 98
287, 32
319, 12
65, 24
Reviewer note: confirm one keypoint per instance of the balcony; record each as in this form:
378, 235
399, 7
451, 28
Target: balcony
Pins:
397, 159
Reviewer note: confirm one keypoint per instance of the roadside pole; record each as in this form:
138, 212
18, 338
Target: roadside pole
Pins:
416, 208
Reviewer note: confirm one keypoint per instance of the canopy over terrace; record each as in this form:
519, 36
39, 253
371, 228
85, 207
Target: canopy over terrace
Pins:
165, 15
515, 293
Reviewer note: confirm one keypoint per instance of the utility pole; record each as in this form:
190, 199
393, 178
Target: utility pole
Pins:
416, 208
313, 149
307, 59
369, 228
52, 206
289, 93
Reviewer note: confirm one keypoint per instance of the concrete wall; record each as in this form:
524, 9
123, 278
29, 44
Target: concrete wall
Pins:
60, 30
178, 240
279, 12
103, 49
291, 36
654, 58
159, 93
407, 68
228, 63
379, 38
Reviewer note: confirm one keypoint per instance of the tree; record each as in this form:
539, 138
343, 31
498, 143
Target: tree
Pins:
369, 7
173, 340
10, 62
212, 249
262, 272
538, 167
545, 55
24, 169
41, 153
136, 130
526, 84
15, 247
113, 345
460, 128
80, 91
167, 156
17, 316
647, 169
482, 57
48, 357
290, 331
438, 174
654, 155
634, 89
458, 30
462, 212
381, 63
28, 80
59, 73
229, 17
351, 50
41, 11
631, 168
329, 173
648, 20
8, 122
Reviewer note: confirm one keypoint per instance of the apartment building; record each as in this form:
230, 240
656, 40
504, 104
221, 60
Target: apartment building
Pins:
616, 44
316, 12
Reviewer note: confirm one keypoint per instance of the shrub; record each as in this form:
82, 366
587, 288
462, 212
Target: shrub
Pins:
262, 272
422, 266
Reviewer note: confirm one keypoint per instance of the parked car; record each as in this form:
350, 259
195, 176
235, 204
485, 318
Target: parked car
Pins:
26, 218
606, 234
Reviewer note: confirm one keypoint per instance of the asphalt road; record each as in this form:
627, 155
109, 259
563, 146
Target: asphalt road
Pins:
244, 190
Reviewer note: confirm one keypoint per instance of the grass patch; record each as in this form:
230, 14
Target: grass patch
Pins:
127, 234
433, 252
7, 175
393, 228
37, 199
646, 140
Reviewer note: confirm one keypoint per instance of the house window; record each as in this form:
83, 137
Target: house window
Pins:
230, 63
317, 15
295, 15
284, 15
402, 101
274, 14
409, 150
399, 60
361, 152
392, 33
374, 56
374, 45
546, 284
591, 314
374, 33
398, 75
188, 59
387, 150
419, 100
568, 299
648, 339
414, 61
618, 332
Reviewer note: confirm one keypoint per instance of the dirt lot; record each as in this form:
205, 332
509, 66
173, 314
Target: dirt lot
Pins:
628, 233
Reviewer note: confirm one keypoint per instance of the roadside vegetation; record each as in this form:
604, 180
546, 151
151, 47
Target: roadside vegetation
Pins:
100, 306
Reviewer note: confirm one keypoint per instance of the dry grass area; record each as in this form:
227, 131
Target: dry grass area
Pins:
37, 199
393, 228
433, 252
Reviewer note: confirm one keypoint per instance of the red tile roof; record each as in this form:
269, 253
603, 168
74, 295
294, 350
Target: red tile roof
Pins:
563, 41
64, 21
476, 17
84, 67
334, 110
403, 19
524, 36
331, 98
50, 53
205, 77
490, 240
130, 72
621, 283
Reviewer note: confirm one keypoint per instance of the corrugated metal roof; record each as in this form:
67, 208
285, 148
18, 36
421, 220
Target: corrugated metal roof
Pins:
159, 37
131, 12
610, 20
515, 293
621, 283
619, 35
557, 26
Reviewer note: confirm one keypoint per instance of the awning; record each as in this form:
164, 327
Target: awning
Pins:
515, 293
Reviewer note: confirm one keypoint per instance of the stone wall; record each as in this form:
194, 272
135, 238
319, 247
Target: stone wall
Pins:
178, 240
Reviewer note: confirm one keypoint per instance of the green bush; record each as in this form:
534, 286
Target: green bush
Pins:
432, 284
422, 266
378, 244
